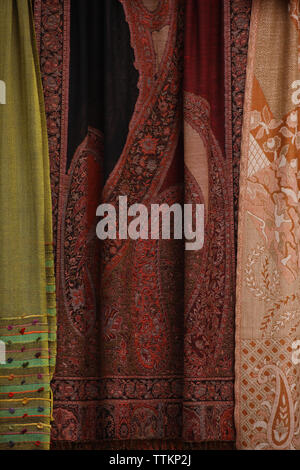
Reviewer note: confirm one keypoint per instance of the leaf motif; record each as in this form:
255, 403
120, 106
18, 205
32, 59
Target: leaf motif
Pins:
260, 133
274, 123
284, 150
297, 141
266, 115
282, 162
285, 132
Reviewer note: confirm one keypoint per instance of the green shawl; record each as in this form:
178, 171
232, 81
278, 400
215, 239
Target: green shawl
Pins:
27, 285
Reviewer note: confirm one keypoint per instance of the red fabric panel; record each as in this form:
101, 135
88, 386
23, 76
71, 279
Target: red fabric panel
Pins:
204, 57
209, 272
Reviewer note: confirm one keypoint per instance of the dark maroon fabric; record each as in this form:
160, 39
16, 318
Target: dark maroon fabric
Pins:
204, 57
209, 272
240, 13
131, 364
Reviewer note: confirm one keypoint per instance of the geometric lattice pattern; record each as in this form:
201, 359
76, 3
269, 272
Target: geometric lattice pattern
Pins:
257, 158
257, 354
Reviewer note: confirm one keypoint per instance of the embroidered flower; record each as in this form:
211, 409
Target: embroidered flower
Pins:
77, 298
163, 107
277, 205
265, 121
151, 165
272, 144
51, 42
292, 119
149, 144
51, 65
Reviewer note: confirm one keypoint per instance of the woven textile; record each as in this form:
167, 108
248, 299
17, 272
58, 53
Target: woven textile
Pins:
209, 273
120, 369
268, 326
27, 287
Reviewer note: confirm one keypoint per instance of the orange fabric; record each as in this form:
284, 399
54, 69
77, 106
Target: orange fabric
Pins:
268, 275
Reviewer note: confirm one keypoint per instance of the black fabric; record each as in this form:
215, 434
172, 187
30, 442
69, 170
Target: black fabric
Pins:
103, 79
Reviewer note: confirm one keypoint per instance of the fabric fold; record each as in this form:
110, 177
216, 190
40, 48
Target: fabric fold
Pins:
27, 285
209, 272
267, 313
121, 379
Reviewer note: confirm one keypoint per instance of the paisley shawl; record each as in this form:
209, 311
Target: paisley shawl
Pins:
120, 371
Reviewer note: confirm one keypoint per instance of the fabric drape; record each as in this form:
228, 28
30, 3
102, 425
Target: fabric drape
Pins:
27, 286
267, 349
141, 281
209, 272
118, 117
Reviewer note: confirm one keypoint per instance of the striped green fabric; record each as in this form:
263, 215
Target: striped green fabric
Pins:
27, 284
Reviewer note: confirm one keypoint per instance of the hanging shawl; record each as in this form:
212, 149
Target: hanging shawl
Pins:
209, 273
27, 291
120, 364
268, 302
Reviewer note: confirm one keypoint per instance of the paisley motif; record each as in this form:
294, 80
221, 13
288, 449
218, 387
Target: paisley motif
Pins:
80, 245
280, 428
